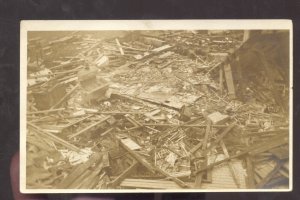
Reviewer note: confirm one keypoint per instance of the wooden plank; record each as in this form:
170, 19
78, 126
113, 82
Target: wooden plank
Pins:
222, 161
120, 47
231, 168
229, 80
277, 132
162, 48
274, 143
121, 177
196, 147
151, 168
250, 173
54, 138
208, 178
45, 111
76, 121
90, 181
151, 114
79, 170
221, 81
266, 179
281, 152
130, 144
139, 158
220, 137
270, 145
79, 179
35, 140
199, 176
64, 98
174, 151
106, 132
133, 121
166, 64
176, 180
89, 127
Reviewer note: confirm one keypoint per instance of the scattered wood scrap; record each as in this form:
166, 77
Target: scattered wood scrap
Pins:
172, 110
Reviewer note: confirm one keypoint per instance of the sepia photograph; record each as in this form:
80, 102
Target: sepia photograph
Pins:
156, 106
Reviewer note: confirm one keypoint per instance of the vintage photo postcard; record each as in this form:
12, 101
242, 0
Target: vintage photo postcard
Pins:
156, 106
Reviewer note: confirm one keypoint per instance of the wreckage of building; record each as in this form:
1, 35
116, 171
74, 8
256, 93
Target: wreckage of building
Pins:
158, 110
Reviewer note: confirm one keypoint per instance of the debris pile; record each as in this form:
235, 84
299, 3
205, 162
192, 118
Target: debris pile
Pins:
154, 110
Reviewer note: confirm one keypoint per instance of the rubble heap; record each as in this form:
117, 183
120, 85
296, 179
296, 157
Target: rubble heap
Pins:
154, 110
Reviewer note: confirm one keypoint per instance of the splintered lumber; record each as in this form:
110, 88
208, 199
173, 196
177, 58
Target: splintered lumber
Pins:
281, 131
213, 67
105, 160
221, 136
36, 141
278, 141
166, 64
199, 176
266, 179
207, 132
106, 132
162, 48
172, 150
222, 161
229, 80
64, 98
151, 114
54, 138
76, 121
257, 148
196, 147
176, 180
146, 164
139, 158
120, 47
45, 111
66, 64
68, 71
78, 171
231, 168
89, 127
198, 180
133, 121
90, 181
78, 181
281, 152
122, 176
